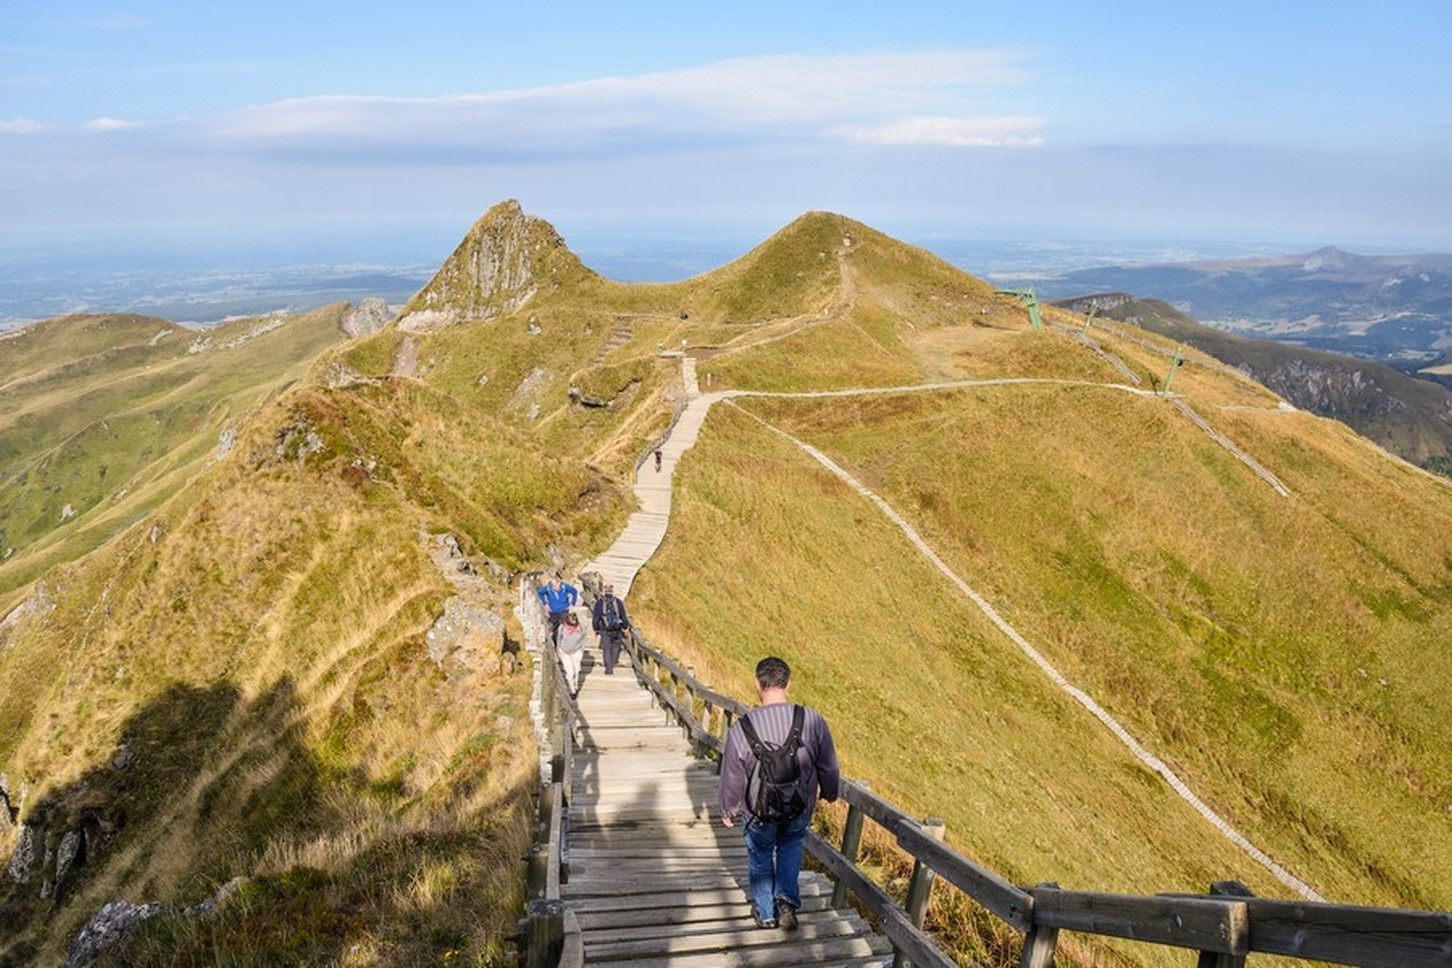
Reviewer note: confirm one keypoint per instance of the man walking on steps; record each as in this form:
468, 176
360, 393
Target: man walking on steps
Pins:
777, 760
557, 597
610, 622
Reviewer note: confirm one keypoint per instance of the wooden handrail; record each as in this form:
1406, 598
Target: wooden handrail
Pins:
545, 925
1350, 935
1224, 929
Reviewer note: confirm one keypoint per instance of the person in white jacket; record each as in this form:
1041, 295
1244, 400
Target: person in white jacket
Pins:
570, 645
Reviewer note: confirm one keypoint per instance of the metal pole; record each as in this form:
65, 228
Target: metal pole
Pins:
1175, 365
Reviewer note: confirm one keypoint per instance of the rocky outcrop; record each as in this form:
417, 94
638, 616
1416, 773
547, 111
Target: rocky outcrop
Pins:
226, 442
1330, 391
112, 925
25, 859
39, 603
369, 316
504, 260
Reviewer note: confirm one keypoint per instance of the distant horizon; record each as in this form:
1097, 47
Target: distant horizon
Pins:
198, 281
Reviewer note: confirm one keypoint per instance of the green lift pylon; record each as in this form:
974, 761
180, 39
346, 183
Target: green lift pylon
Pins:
1174, 365
1029, 300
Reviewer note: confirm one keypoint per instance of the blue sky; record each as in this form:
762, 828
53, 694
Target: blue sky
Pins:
1252, 121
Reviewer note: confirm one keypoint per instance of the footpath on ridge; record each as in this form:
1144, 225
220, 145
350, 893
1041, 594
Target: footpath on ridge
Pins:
654, 878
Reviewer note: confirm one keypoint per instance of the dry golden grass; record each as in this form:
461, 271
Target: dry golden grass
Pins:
258, 639
1280, 654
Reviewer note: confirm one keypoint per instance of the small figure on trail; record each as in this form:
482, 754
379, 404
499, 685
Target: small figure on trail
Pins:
777, 760
610, 622
557, 597
657, 460
570, 645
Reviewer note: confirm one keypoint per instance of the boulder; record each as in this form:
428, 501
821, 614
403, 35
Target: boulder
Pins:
110, 926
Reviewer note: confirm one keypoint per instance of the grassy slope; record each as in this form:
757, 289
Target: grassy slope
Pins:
264, 661
257, 642
286, 609
1408, 416
261, 651
1282, 654
112, 414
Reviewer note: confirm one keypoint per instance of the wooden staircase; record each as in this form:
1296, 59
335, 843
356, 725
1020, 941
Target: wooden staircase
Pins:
654, 878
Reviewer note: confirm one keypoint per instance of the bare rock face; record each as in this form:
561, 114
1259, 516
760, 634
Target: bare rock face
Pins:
369, 316
505, 259
25, 859
111, 925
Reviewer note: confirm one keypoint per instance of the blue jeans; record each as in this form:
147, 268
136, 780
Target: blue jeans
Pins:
774, 861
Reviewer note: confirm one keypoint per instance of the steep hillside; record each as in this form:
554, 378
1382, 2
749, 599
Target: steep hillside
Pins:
285, 671
104, 417
1281, 653
1412, 418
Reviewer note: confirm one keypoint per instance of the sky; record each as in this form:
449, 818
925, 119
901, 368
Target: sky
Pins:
140, 122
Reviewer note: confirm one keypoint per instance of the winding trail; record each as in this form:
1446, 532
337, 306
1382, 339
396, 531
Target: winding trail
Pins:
647, 527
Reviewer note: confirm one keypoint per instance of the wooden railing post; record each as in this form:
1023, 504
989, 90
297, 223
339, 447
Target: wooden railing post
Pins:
1211, 959
851, 843
546, 932
920, 887
1040, 943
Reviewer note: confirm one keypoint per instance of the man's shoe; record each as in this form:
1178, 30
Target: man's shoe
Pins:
760, 923
786, 915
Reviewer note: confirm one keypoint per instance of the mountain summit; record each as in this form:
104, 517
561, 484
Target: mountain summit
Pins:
502, 262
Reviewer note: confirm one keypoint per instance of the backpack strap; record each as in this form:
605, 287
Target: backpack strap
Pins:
752, 739
793, 739
799, 723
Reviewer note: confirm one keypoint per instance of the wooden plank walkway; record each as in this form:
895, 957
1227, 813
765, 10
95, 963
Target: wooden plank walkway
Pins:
654, 879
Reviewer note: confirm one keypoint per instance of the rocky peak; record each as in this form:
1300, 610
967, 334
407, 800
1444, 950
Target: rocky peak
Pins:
503, 261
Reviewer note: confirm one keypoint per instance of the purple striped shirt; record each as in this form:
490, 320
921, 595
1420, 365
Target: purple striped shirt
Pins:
817, 757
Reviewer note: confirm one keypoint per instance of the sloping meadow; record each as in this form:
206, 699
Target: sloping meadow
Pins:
103, 417
1285, 656
243, 685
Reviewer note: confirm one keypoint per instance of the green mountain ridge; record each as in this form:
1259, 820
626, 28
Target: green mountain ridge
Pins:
261, 672
103, 417
1410, 417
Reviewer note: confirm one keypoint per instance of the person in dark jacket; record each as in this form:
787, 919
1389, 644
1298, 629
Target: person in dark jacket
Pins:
610, 622
774, 850
557, 597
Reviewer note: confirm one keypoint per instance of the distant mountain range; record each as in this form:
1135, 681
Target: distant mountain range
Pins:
1394, 309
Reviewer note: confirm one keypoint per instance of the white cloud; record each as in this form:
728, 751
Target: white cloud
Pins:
22, 126
112, 124
957, 132
762, 98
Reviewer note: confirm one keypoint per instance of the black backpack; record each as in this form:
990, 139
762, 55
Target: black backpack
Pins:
774, 789
610, 614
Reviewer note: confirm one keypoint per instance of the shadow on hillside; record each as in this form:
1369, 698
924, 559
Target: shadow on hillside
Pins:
203, 783
198, 774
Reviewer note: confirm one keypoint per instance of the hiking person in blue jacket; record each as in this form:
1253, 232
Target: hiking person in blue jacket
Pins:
610, 622
557, 597
776, 810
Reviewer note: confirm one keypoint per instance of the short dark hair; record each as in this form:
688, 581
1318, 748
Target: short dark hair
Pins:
773, 673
